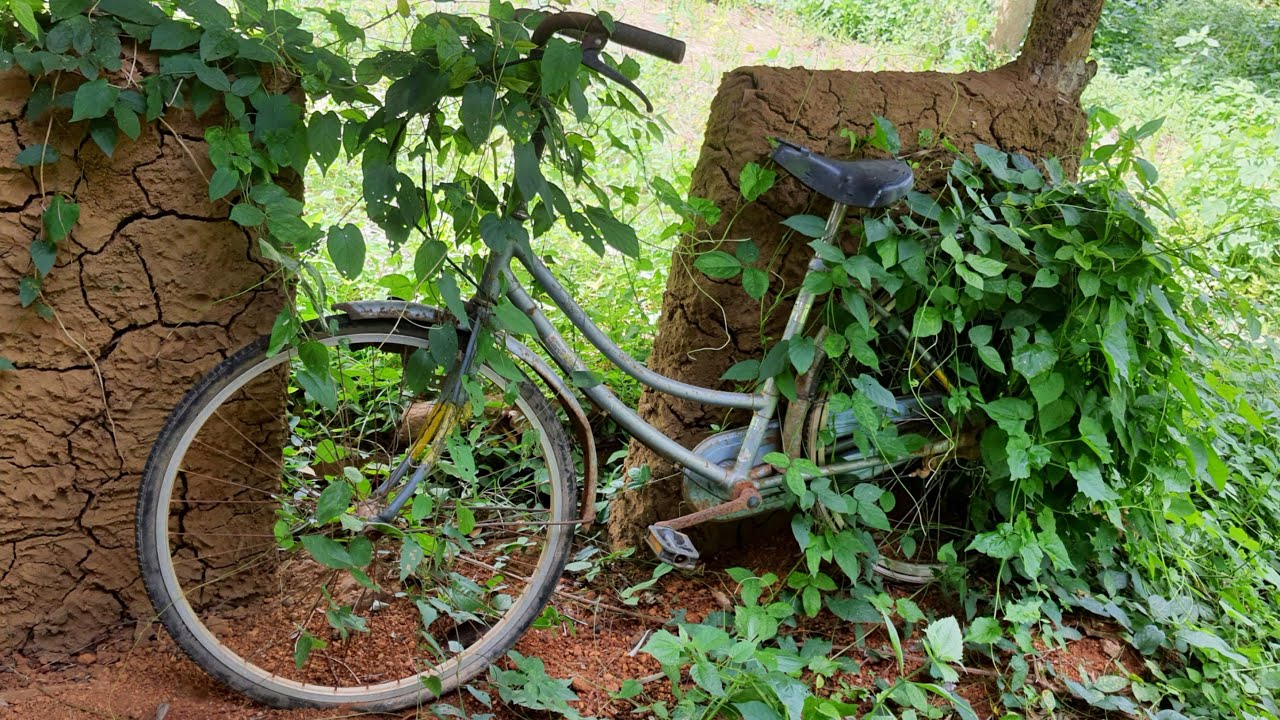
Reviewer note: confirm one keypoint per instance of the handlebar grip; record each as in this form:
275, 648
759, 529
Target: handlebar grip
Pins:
647, 41
577, 24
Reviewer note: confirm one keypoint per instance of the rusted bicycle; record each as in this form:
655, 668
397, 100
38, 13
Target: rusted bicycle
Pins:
385, 548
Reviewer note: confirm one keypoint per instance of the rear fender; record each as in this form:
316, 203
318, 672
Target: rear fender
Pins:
427, 316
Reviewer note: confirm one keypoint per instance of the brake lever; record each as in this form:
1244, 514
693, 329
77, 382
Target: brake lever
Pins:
591, 58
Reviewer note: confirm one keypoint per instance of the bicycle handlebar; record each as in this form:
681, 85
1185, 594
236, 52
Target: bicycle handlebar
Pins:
578, 24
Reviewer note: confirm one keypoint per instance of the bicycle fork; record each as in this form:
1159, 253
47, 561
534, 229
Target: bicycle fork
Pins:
446, 414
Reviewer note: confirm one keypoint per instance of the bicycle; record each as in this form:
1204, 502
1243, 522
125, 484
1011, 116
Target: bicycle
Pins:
431, 511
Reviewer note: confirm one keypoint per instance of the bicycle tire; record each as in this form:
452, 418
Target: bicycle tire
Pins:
201, 647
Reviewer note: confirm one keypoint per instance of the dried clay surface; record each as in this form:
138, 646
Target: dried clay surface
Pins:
596, 648
709, 324
153, 288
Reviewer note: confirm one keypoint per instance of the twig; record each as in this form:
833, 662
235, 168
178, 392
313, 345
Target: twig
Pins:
102, 383
176, 136
636, 649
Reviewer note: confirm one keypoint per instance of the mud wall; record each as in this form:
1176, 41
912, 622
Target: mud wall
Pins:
153, 288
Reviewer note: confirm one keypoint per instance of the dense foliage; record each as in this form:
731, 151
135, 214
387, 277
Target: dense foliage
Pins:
947, 33
1128, 455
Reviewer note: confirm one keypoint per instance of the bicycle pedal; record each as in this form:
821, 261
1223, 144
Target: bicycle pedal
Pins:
673, 547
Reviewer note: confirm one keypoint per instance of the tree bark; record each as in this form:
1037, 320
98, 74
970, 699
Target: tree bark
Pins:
1031, 105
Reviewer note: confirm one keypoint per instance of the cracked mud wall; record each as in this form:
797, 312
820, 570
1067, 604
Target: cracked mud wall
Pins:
1029, 106
152, 289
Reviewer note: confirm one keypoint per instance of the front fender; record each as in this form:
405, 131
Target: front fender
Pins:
426, 315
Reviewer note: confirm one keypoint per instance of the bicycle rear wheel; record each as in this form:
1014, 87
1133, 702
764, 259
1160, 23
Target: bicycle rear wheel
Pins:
252, 534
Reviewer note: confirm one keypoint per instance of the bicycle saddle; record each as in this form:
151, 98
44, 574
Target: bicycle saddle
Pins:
856, 183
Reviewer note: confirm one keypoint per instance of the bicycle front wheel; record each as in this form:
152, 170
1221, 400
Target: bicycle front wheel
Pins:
254, 536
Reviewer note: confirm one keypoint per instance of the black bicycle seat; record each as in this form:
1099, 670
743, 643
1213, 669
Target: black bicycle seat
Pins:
856, 183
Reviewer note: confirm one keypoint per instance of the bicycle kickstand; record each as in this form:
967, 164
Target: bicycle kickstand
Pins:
675, 548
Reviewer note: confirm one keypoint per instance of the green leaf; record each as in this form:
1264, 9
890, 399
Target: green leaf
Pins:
127, 120
615, 232
347, 249
478, 111
104, 134
418, 371
1089, 480
427, 259
1045, 278
247, 215
466, 520
885, 136
224, 180
38, 154
140, 12
411, 555
499, 233
320, 386
216, 79
218, 43
448, 288
68, 8
1089, 282
742, 371
942, 638
560, 61
990, 267
514, 321
303, 646
754, 181
23, 13
984, 631
801, 351
718, 264
1115, 340
327, 551
807, 225
43, 256
6, 364
324, 137
174, 35
333, 501
927, 322
94, 100
755, 282
59, 218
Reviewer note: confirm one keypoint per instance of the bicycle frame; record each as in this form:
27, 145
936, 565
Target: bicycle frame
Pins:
764, 403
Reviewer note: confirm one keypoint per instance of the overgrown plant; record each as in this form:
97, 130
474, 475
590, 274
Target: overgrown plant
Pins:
1126, 460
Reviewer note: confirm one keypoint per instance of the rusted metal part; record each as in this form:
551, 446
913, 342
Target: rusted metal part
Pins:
793, 423
426, 315
578, 419
394, 310
746, 497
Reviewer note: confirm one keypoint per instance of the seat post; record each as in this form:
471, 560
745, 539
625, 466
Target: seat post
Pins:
799, 314
805, 298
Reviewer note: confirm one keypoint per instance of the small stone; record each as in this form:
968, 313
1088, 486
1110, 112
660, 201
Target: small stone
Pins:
86, 658
1111, 647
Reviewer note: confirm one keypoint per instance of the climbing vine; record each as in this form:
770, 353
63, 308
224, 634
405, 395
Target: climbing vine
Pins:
444, 130
1115, 431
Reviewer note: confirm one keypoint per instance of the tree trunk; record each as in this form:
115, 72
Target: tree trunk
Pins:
1012, 19
1031, 105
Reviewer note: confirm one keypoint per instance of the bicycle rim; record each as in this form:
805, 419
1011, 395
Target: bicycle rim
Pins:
259, 568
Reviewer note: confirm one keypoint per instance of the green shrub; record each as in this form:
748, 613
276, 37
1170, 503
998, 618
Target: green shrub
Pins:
1201, 39
950, 31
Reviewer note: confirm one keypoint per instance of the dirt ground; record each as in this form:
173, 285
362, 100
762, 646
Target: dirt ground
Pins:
597, 648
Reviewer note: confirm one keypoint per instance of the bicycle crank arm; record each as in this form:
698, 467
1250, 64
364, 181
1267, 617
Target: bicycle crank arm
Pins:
675, 548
